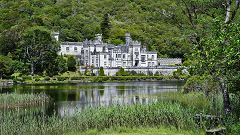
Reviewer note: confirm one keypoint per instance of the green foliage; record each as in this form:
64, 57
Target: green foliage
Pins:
160, 24
87, 72
71, 63
47, 78
121, 72
205, 83
101, 72
60, 78
5, 66
179, 74
105, 27
39, 49
137, 115
62, 64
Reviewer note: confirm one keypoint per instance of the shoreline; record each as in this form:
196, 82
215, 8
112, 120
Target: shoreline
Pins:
6, 83
95, 80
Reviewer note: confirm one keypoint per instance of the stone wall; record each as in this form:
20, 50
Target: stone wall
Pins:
169, 61
165, 70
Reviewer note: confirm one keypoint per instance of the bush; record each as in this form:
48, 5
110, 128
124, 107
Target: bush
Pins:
37, 79
71, 63
27, 78
60, 78
47, 78
77, 78
121, 72
203, 83
101, 71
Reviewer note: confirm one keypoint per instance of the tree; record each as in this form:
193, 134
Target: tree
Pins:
105, 27
231, 10
62, 64
218, 55
101, 71
5, 66
38, 48
71, 63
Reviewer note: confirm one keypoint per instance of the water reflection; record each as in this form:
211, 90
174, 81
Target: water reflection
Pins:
70, 98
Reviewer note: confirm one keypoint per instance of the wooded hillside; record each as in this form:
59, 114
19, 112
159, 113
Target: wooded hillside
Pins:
166, 26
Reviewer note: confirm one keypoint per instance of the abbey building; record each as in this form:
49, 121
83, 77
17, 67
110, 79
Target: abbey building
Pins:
99, 54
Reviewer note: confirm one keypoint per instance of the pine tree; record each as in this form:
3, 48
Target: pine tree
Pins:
105, 27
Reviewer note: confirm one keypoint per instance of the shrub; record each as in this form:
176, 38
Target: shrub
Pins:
121, 72
76, 78
27, 77
60, 78
71, 63
101, 71
37, 79
47, 78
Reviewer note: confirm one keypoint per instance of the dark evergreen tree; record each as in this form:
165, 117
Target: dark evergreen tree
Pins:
105, 27
101, 71
71, 63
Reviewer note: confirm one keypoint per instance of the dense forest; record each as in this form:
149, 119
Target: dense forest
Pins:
166, 26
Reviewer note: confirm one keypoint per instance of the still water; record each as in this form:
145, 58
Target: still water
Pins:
68, 99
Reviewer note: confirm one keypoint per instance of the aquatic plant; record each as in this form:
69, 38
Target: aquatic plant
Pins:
14, 100
155, 114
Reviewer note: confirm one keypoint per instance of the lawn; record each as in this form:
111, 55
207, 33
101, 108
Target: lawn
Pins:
139, 131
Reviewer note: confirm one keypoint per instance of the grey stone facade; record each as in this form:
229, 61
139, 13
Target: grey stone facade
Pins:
99, 54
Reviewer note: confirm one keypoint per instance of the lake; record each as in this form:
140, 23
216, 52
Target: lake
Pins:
68, 99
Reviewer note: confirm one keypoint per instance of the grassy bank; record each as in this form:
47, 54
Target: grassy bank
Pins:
139, 131
129, 116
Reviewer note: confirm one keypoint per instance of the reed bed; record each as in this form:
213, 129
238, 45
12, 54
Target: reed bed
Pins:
11, 101
151, 115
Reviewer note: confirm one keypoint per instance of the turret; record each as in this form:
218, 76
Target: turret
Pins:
99, 37
128, 38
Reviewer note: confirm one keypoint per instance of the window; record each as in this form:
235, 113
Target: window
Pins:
149, 64
152, 57
124, 56
143, 58
119, 55
105, 56
67, 49
105, 63
75, 49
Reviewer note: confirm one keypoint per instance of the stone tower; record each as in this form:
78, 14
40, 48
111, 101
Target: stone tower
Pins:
127, 38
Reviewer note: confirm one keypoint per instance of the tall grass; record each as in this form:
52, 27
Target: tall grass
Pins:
22, 100
155, 114
195, 100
